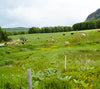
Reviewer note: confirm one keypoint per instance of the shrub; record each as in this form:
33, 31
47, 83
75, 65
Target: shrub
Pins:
22, 38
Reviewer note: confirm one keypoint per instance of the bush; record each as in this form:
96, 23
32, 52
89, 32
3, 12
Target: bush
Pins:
22, 38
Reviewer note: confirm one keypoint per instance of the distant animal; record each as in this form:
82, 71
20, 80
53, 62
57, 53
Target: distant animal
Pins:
83, 34
72, 33
25, 40
51, 37
53, 40
64, 34
22, 42
38, 38
14, 43
47, 40
98, 30
6, 44
67, 42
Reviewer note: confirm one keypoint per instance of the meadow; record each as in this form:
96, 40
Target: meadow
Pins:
46, 60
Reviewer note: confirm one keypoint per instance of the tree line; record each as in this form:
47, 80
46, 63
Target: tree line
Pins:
78, 26
49, 29
87, 25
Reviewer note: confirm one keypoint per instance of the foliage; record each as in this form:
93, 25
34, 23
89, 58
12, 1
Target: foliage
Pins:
22, 38
87, 25
50, 29
3, 36
34, 30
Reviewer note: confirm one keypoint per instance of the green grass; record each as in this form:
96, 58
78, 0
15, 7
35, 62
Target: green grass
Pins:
46, 60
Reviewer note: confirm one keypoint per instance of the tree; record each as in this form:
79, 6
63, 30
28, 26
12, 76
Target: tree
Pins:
98, 23
3, 35
34, 30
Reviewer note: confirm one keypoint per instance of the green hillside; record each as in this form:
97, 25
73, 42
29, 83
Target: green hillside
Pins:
16, 29
94, 16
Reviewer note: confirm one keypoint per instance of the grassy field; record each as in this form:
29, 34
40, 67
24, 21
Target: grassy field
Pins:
46, 60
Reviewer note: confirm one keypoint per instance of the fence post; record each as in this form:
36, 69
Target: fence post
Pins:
29, 79
87, 38
65, 62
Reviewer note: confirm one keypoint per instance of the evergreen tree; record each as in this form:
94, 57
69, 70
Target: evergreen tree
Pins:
3, 36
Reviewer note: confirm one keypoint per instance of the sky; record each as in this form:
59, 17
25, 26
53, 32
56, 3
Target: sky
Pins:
42, 13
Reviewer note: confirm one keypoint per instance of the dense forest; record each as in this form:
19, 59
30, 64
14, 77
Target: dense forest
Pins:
87, 25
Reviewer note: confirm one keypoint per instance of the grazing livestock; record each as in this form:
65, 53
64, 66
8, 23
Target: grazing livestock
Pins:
16, 43
22, 42
51, 37
25, 40
47, 40
38, 38
6, 44
98, 30
67, 42
72, 33
84, 35
53, 40
64, 34
13, 43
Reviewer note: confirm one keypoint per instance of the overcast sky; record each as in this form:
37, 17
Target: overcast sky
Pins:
41, 13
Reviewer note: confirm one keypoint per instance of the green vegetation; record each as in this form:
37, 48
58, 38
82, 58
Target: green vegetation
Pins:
3, 36
16, 32
49, 29
46, 60
87, 25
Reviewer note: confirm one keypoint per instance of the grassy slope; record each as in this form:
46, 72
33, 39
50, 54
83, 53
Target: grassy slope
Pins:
82, 60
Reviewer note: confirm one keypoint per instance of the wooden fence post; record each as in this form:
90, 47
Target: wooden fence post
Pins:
87, 38
65, 62
29, 79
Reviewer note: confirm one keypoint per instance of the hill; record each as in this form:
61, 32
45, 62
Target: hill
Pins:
94, 16
16, 29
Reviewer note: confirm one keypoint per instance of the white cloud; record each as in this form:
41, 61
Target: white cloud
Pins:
30, 13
